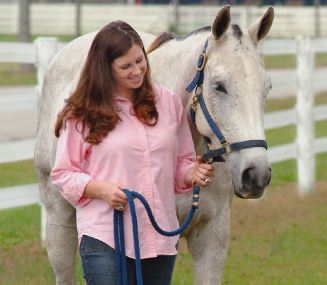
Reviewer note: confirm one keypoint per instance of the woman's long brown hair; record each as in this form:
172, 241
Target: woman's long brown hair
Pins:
92, 103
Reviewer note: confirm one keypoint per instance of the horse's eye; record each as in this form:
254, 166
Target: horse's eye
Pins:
220, 87
270, 87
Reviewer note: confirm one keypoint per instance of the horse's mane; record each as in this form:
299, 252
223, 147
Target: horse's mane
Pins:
167, 36
162, 38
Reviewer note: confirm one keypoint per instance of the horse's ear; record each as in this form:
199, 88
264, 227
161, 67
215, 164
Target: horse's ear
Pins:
221, 23
259, 29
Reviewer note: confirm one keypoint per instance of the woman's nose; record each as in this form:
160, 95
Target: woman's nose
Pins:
136, 70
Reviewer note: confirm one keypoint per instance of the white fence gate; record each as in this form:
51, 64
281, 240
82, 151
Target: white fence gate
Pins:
304, 115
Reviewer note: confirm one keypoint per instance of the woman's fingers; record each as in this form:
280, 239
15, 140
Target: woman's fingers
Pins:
203, 172
200, 181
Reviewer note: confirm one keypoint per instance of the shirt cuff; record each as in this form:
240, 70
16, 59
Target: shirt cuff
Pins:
181, 186
74, 193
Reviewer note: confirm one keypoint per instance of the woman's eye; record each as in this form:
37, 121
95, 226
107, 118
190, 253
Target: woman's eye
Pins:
220, 87
139, 60
125, 66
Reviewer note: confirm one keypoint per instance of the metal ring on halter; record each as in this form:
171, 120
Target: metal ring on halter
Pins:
207, 181
120, 207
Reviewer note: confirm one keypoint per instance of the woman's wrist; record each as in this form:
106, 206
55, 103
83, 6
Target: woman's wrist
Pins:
95, 189
190, 177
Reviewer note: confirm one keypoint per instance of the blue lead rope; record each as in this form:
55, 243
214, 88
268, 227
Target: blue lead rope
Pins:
120, 256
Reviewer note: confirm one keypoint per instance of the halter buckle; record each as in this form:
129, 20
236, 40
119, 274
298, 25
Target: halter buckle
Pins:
204, 59
198, 90
226, 145
194, 103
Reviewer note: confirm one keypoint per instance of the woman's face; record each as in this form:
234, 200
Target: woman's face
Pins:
129, 70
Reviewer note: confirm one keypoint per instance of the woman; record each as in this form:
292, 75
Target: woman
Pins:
119, 130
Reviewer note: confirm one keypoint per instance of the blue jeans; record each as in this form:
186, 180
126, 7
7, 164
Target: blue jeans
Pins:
98, 263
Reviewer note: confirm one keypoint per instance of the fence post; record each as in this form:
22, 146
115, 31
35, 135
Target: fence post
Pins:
46, 48
306, 166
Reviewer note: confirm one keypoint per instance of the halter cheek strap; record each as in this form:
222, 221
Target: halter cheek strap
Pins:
226, 146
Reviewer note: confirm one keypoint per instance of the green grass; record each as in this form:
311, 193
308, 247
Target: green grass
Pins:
293, 253
14, 38
11, 74
288, 134
11, 220
17, 173
289, 61
19, 234
289, 102
280, 61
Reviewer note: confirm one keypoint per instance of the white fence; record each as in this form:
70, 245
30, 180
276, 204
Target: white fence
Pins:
60, 19
304, 115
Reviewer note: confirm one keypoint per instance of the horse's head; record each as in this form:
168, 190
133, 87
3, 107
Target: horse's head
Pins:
235, 89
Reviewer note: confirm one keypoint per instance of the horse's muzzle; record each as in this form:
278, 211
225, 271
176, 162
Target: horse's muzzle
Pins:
254, 181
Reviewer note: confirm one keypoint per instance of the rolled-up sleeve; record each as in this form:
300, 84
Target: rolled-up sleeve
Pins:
67, 173
186, 153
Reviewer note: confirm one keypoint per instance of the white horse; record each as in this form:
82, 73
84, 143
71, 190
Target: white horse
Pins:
235, 88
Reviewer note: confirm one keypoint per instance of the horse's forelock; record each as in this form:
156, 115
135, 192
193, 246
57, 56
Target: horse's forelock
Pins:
237, 31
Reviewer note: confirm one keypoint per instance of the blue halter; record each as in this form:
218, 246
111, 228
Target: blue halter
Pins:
226, 147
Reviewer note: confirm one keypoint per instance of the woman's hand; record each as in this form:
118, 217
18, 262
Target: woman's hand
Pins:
202, 173
110, 192
114, 196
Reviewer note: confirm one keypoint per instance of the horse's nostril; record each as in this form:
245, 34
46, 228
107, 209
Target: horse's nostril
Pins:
255, 178
248, 177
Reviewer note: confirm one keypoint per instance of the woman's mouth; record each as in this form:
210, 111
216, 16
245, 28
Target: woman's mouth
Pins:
138, 78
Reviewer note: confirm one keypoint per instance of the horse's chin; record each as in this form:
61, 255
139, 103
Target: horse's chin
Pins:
245, 193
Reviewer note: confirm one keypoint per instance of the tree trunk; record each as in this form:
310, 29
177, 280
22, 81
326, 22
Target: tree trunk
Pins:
24, 28
78, 18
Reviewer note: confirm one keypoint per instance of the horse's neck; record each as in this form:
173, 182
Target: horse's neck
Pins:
177, 60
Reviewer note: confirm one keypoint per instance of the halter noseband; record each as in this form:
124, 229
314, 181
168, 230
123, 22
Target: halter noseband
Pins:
215, 155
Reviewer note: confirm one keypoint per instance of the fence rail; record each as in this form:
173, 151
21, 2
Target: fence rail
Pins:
23, 149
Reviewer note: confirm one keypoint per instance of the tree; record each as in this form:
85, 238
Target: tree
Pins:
78, 18
24, 21
24, 28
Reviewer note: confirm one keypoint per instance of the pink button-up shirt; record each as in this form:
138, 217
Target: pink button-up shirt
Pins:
149, 160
